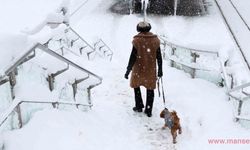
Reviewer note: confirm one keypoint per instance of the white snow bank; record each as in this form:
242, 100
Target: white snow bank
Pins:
16, 15
204, 33
15, 46
53, 129
1, 142
11, 45
235, 65
203, 108
204, 111
238, 24
242, 6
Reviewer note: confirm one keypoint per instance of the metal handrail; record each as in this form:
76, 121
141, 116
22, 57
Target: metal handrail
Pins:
224, 73
194, 66
20, 60
16, 103
232, 33
170, 44
236, 41
239, 87
104, 45
75, 11
229, 90
93, 48
81, 38
61, 58
3, 81
52, 53
242, 118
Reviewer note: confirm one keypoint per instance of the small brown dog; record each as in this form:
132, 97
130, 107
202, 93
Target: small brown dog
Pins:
172, 121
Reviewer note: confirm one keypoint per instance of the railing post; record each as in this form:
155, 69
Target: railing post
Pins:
195, 56
89, 95
51, 77
55, 105
81, 49
16, 71
74, 86
239, 109
19, 114
89, 92
62, 51
172, 54
232, 81
51, 81
12, 80
164, 50
230, 75
73, 41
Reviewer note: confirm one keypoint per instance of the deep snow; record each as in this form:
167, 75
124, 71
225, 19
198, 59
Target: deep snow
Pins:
111, 124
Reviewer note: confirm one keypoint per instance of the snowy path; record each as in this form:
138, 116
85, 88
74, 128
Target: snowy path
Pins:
111, 124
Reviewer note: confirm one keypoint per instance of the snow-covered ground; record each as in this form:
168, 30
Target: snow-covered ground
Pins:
237, 18
111, 124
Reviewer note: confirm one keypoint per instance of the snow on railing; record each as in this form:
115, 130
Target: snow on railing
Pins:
61, 30
12, 79
66, 36
74, 43
56, 21
236, 93
191, 60
169, 52
78, 8
237, 26
102, 49
15, 107
240, 33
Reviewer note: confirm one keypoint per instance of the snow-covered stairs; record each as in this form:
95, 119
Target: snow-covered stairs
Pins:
21, 87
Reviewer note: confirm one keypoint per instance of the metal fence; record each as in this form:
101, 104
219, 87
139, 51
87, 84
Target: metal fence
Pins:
14, 110
207, 65
198, 63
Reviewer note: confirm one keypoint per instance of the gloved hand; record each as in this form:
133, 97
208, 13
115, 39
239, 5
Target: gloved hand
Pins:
160, 74
126, 74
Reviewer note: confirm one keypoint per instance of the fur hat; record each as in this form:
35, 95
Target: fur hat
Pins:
143, 27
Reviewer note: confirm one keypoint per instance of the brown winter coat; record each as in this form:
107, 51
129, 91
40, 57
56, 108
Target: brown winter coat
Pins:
144, 69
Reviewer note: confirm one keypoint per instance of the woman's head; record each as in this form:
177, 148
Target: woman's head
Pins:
143, 27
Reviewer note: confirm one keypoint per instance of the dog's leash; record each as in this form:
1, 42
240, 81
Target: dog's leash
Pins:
158, 87
163, 94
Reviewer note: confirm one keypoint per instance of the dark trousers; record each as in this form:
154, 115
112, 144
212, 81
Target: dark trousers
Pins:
149, 100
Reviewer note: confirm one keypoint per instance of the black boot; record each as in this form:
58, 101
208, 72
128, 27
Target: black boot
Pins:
149, 103
138, 100
137, 109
